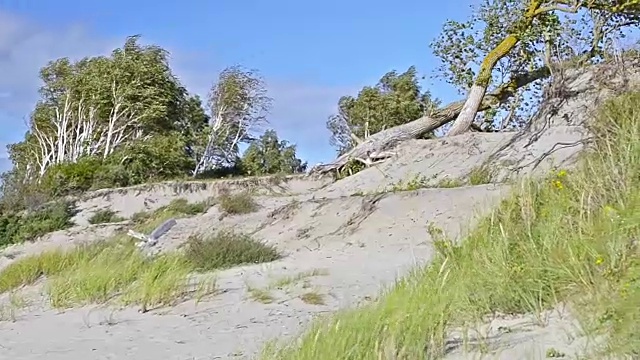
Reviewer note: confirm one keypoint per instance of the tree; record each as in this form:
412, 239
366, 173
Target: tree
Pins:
269, 155
513, 36
528, 45
106, 121
238, 105
93, 106
394, 100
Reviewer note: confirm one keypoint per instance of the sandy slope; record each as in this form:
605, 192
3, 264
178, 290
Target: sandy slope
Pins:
360, 242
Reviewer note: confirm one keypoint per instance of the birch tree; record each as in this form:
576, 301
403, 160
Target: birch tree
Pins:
238, 105
94, 106
504, 38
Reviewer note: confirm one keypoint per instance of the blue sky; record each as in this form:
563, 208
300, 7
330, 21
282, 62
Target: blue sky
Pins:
309, 53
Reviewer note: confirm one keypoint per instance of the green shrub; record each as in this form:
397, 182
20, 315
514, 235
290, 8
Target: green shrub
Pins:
104, 216
19, 227
184, 207
226, 249
241, 203
70, 178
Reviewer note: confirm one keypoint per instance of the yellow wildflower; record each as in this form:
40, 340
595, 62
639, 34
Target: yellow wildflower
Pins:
558, 184
562, 173
599, 260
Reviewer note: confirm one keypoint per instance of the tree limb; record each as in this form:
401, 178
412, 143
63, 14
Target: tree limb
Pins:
373, 148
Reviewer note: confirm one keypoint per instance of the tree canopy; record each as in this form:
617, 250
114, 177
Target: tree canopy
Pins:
396, 99
505, 38
269, 155
125, 119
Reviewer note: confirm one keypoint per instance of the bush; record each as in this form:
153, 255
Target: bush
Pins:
184, 207
70, 178
226, 249
16, 228
104, 216
241, 203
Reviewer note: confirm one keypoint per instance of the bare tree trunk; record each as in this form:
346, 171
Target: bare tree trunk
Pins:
477, 91
469, 111
374, 147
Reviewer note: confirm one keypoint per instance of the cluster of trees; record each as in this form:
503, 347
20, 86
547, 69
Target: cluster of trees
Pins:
125, 119
501, 57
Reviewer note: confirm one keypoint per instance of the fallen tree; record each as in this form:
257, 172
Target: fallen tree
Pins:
376, 148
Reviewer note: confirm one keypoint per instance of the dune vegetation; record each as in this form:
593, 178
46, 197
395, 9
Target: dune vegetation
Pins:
570, 238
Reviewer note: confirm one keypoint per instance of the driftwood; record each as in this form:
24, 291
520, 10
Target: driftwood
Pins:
376, 148
147, 242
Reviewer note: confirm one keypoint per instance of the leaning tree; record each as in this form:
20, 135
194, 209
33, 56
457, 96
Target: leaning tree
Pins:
238, 105
505, 48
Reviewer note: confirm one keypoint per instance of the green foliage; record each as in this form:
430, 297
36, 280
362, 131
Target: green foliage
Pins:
70, 178
28, 226
115, 269
240, 203
226, 249
105, 216
395, 100
157, 158
239, 103
125, 119
101, 272
353, 166
505, 38
184, 207
269, 155
568, 239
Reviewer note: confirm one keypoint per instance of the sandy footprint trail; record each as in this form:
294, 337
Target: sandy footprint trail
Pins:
343, 241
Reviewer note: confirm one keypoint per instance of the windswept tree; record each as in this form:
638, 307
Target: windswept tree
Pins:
506, 49
270, 155
396, 99
506, 38
238, 106
93, 106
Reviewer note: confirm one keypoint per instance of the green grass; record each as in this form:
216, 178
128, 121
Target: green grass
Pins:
571, 237
240, 203
147, 221
226, 249
481, 175
116, 270
105, 216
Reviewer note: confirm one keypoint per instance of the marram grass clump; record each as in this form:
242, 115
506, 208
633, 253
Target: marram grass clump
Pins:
571, 237
115, 270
